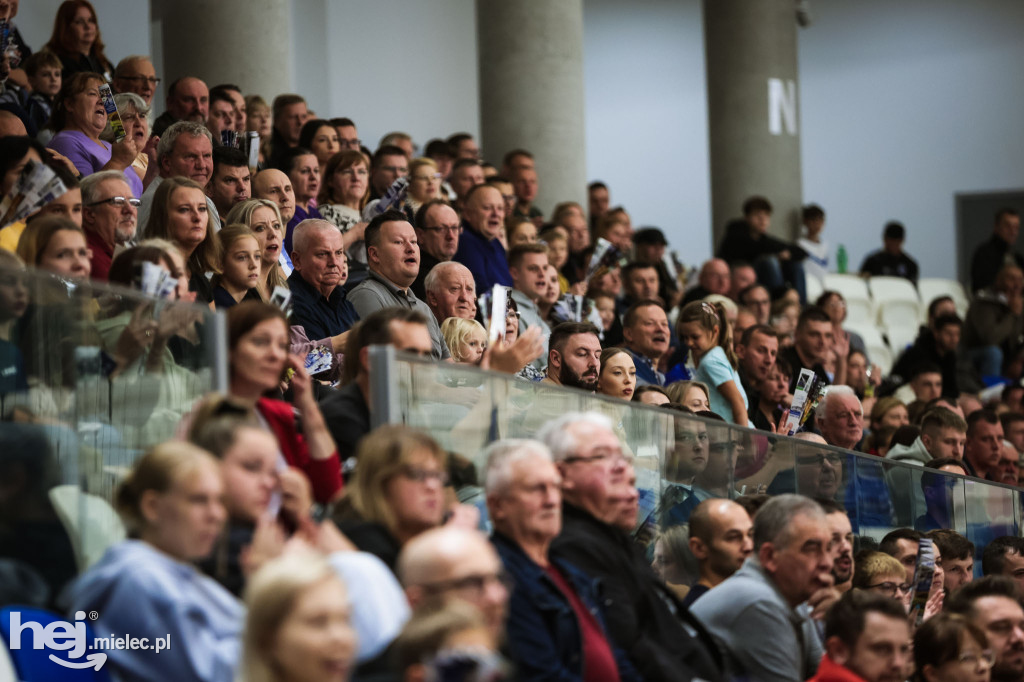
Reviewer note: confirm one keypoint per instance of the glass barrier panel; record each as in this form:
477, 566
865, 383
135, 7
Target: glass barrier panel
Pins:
990, 512
90, 376
680, 460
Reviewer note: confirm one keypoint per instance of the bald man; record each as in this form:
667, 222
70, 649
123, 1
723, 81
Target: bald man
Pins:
721, 539
11, 125
714, 278
456, 562
273, 185
450, 291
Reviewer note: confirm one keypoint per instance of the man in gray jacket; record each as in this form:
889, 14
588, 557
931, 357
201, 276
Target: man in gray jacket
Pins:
760, 616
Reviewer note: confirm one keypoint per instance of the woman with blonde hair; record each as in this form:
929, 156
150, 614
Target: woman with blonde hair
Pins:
424, 185
172, 507
263, 219
299, 625
180, 215
694, 394
397, 493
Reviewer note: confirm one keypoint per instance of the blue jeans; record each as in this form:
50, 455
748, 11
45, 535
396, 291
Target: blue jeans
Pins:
776, 274
988, 360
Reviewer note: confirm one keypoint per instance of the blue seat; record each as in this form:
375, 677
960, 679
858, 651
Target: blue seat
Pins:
34, 665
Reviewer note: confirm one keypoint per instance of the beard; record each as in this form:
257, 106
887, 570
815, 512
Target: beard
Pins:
587, 381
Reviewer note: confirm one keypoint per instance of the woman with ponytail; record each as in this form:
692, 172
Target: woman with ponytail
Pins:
704, 329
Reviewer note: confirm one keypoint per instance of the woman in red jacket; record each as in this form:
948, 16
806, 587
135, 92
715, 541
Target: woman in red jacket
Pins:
258, 344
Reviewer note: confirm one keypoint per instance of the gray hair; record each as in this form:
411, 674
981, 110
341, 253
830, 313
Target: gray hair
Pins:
170, 136
557, 436
304, 231
772, 521
501, 455
90, 184
833, 390
431, 280
127, 100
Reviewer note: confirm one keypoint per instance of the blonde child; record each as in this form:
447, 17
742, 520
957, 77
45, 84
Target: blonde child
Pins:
466, 339
703, 327
241, 260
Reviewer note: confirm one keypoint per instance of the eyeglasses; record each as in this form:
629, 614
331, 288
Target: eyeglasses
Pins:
509, 314
471, 585
891, 588
972, 658
438, 229
145, 79
424, 475
601, 457
117, 202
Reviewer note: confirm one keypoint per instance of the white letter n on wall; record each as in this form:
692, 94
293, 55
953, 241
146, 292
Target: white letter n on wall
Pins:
781, 106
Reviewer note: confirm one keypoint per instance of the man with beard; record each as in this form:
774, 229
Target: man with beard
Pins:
659, 637
109, 218
721, 538
646, 331
574, 356
994, 604
842, 544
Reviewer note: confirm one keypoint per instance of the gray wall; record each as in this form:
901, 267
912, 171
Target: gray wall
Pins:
902, 103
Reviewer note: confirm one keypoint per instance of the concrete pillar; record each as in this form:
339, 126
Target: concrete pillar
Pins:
531, 90
751, 56
244, 42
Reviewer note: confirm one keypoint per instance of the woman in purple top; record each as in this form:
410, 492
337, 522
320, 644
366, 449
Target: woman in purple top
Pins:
78, 119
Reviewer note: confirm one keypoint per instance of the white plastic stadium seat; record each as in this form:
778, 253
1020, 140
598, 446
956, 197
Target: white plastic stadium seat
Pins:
855, 291
895, 299
814, 288
931, 288
878, 350
900, 336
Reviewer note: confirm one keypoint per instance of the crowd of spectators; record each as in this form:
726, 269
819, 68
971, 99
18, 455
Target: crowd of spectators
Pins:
272, 534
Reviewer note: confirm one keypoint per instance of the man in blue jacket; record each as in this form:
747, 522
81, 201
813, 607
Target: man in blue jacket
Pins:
554, 629
480, 249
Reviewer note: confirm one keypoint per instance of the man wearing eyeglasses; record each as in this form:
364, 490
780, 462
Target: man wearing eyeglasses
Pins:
136, 74
437, 230
109, 217
555, 623
867, 639
658, 635
454, 562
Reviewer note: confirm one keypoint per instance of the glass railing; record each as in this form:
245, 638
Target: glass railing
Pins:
681, 459
90, 376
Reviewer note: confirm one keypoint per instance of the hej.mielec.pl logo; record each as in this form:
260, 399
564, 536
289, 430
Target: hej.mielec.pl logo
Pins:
71, 638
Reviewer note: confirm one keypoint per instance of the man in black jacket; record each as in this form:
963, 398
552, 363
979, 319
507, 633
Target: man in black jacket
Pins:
776, 262
991, 256
659, 636
935, 345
